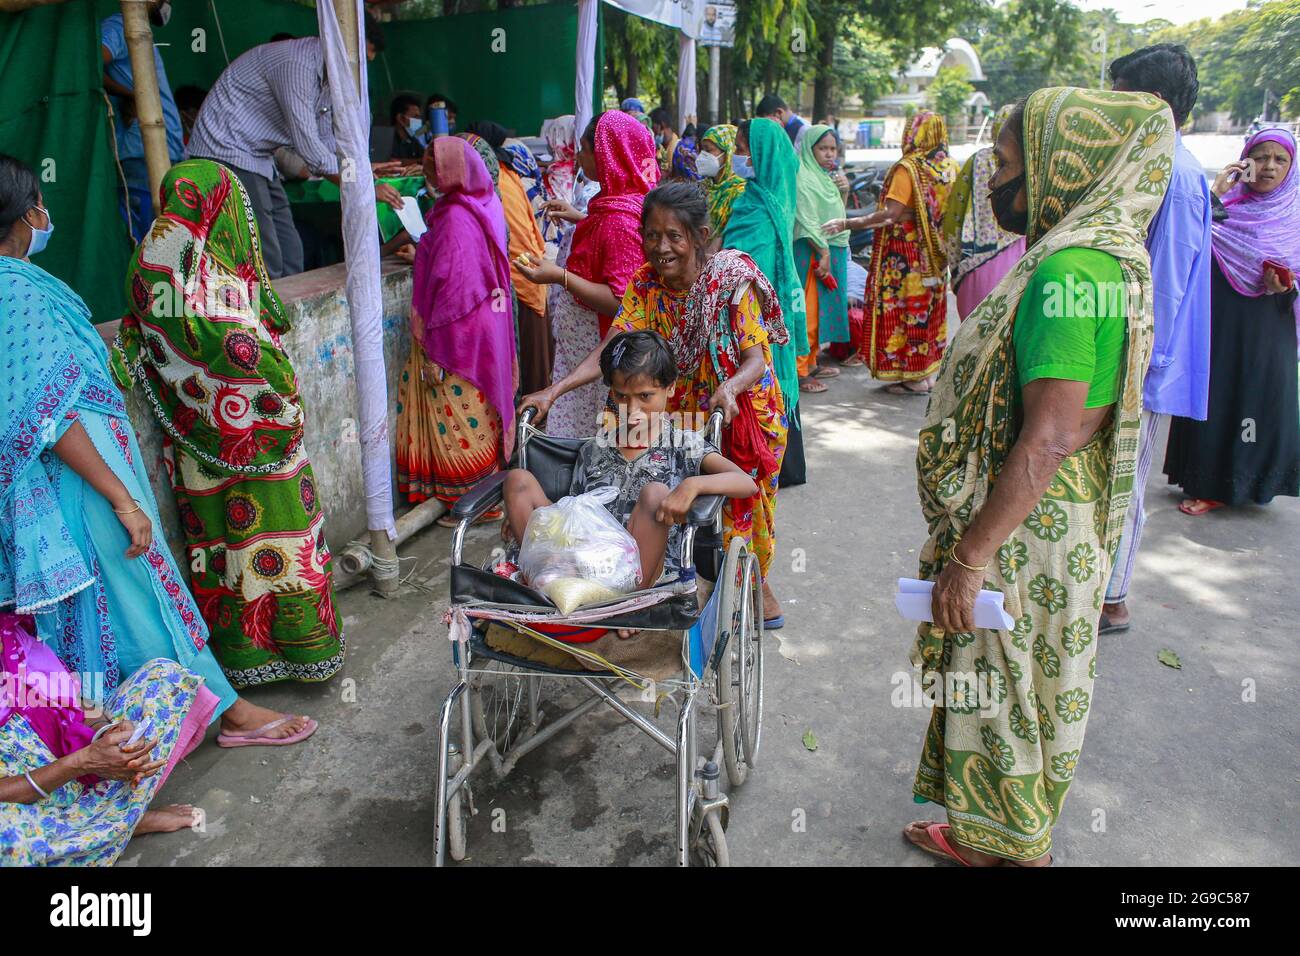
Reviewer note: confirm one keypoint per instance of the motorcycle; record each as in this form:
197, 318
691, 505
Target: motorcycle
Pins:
863, 198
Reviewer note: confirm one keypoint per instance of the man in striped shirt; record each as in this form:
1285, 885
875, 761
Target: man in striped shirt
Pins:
275, 95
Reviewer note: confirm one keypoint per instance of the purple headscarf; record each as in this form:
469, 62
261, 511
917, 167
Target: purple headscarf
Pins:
1260, 225
462, 279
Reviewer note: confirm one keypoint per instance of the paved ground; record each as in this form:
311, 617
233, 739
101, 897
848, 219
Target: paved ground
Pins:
1177, 768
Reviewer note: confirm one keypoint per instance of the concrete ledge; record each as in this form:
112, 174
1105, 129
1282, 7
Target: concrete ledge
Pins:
320, 346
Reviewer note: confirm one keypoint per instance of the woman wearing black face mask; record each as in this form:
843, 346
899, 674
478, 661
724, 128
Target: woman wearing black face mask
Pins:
1025, 468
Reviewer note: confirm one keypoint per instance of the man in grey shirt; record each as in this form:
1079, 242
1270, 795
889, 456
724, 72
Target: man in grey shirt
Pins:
275, 95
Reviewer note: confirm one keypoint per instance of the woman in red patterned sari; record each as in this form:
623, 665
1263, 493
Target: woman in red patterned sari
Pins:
907, 292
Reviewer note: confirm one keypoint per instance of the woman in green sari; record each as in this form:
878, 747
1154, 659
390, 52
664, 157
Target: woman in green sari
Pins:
762, 225
202, 340
1025, 470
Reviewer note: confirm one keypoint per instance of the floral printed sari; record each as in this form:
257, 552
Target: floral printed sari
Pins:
1004, 743
907, 297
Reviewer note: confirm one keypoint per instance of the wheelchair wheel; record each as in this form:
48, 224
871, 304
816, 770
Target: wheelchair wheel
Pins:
740, 670
710, 848
458, 813
504, 699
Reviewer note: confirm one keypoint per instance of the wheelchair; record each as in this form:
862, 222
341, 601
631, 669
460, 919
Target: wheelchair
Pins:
498, 694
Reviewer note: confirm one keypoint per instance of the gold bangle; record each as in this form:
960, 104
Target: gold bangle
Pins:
968, 567
566, 279
131, 512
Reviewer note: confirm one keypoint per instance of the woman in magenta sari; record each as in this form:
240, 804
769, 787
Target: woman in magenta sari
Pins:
73, 788
619, 153
456, 421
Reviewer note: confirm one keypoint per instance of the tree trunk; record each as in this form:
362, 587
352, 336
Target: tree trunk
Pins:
633, 71
823, 86
774, 51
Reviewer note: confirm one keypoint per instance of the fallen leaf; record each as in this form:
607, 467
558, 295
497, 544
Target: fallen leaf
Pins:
1169, 658
809, 740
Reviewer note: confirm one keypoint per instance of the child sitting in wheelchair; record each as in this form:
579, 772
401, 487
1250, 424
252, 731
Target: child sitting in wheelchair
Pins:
657, 467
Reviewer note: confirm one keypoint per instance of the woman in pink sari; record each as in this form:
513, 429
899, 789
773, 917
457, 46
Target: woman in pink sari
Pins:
73, 786
619, 153
455, 422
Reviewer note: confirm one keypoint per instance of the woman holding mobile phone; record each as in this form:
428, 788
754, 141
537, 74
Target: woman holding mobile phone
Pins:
75, 785
1248, 449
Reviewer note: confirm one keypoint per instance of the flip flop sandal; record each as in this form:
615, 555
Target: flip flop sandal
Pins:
942, 848
812, 386
826, 371
1207, 504
897, 389
258, 738
774, 623
853, 361
1106, 627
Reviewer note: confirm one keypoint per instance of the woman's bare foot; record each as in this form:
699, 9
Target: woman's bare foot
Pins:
917, 834
243, 717
168, 819
771, 606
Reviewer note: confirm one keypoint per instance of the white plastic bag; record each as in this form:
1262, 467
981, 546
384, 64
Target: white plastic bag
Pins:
577, 553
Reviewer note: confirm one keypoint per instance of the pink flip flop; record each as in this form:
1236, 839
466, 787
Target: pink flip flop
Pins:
935, 831
257, 738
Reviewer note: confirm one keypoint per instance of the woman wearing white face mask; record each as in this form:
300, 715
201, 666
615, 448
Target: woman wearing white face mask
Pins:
721, 182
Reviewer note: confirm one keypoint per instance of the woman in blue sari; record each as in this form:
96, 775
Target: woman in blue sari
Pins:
75, 497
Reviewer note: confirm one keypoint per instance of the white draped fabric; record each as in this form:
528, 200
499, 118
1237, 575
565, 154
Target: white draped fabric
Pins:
686, 110
588, 17
351, 113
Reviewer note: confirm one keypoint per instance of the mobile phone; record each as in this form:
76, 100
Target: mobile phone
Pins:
1284, 275
1248, 174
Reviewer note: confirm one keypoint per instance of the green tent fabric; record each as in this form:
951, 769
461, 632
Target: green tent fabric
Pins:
514, 66
53, 116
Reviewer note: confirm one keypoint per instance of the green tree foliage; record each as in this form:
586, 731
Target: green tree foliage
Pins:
949, 91
1027, 44
864, 66
1244, 53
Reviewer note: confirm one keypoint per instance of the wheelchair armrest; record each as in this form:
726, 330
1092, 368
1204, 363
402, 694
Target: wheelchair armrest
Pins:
482, 498
704, 510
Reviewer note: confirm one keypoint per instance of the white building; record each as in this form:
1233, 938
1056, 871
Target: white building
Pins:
914, 82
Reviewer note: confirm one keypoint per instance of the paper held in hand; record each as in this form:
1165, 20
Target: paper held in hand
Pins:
411, 218
913, 602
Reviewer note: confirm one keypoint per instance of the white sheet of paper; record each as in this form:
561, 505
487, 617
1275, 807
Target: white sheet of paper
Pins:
411, 218
913, 602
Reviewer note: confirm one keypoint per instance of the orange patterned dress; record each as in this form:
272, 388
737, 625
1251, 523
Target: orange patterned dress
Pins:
650, 305
448, 435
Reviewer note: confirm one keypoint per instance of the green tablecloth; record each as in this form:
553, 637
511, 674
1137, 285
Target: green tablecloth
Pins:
324, 191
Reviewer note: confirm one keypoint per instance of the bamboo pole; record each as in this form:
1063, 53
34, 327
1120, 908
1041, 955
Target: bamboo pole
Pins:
148, 101
346, 12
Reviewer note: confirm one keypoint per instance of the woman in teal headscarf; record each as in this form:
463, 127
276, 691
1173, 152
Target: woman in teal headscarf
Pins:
822, 261
762, 225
